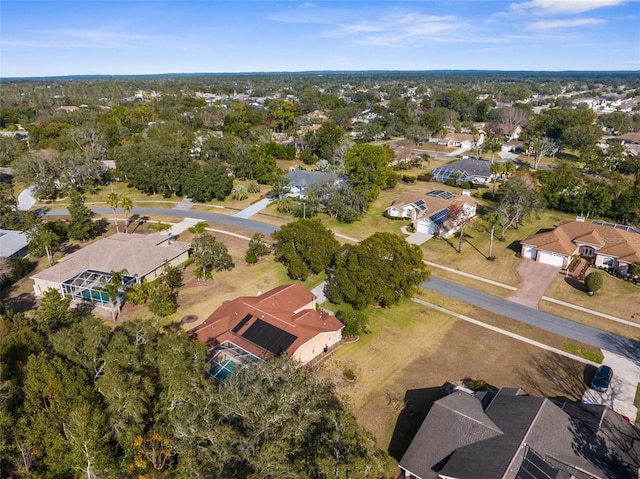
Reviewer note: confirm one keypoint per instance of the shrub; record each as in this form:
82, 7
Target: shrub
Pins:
409, 178
138, 293
465, 185
354, 322
450, 182
593, 282
253, 187
251, 257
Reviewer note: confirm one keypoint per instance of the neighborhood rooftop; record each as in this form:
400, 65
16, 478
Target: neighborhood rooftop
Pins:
137, 253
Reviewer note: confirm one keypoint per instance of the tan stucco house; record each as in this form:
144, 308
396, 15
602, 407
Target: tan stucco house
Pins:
284, 320
609, 246
80, 273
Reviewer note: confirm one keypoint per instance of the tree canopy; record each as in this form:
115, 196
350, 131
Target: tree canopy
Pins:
304, 246
381, 269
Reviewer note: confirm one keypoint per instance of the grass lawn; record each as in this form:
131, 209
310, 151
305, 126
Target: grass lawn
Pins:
412, 352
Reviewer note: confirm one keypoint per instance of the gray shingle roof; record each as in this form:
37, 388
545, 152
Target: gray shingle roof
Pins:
465, 447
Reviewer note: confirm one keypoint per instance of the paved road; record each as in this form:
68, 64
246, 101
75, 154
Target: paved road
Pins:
236, 221
595, 337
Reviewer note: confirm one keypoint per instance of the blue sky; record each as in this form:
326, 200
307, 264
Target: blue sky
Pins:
46, 38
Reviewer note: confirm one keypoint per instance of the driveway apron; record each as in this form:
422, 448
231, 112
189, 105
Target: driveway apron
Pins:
535, 278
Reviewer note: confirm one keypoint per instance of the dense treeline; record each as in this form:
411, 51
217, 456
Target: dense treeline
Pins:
80, 399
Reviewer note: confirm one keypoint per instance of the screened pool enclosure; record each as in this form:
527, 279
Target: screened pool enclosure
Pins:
89, 285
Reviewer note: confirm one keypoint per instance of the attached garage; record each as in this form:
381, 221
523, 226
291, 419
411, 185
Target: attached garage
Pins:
545, 257
529, 252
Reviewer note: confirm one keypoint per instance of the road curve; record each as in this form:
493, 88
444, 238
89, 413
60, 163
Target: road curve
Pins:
236, 221
570, 329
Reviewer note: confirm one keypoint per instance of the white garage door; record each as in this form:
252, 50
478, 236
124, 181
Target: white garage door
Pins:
529, 252
550, 258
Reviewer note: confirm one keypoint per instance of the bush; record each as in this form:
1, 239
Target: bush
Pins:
593, 282
465, 185
251, 257
450, 182
138, 293
354, 322
20, 267
409, 178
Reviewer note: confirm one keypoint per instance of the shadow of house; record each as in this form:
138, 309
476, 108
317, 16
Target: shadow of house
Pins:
417, 404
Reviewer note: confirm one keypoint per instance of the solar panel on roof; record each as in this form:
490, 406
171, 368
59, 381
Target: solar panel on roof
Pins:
420, 204
446, 195
242, 322
269, 337
440, 217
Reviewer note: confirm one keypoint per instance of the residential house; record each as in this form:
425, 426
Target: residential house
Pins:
13, 244
607, 245
300, 180
82, 273
465, 141
511, 435
466, 170
430, 212
249, 329
630, 141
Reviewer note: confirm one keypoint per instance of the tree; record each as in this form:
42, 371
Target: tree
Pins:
163, 300
368, 170
81, 226
324, 141
206, 182
258, 248
493, 144
539, 146
113, 287
493, 220
113, 200
593, 282
53, 311
459, 219
210, 255
634, 270
496, 170
304, 246
127, 206
381, 269
43, 239
519, 198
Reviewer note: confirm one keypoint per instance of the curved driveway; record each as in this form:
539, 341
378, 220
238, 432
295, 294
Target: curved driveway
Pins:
555, 324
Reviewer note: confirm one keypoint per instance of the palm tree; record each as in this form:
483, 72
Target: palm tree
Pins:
493, 219
113, 200
112, 287
198, 228
496, 169
127, 206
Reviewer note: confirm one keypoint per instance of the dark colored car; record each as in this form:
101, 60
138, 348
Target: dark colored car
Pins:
602, 378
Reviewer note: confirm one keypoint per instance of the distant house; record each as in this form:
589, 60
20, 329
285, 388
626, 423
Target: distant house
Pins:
610, 246
249, 329
429, 213
467, 170
81, 273
515, 436
13, 244
506, 131
300, 180
465, 141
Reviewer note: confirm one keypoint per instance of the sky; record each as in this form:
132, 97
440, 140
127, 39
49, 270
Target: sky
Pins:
83, 37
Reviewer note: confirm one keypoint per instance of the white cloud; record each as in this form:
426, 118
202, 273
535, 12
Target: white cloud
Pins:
544, 7
307, 5
576, 22
398, 29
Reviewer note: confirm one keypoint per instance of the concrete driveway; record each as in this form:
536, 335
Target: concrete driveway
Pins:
622, 390
535, 279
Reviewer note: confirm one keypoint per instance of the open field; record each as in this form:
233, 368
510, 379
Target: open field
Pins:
412, 351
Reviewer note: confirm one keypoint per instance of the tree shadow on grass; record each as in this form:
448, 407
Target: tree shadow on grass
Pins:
466, 240
413, 408
575, 284
557, 376
136, 221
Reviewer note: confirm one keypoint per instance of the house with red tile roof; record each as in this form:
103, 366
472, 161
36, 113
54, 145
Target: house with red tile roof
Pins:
284, 320
608, 246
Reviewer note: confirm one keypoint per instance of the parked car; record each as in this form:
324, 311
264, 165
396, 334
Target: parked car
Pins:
602, 379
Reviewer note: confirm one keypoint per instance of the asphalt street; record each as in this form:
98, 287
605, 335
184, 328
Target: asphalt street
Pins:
236, 221
555, 324
600, 339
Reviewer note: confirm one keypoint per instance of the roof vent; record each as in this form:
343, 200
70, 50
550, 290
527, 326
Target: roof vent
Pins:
580, 219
